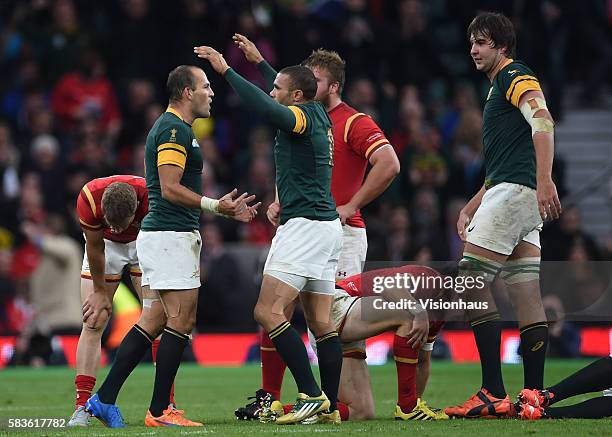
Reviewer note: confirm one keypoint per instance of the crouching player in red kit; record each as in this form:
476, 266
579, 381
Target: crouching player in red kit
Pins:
110, 211
360, 312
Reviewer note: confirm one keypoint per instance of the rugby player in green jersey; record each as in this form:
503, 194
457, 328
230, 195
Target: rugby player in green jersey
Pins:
304, 254
501, 223
169, 246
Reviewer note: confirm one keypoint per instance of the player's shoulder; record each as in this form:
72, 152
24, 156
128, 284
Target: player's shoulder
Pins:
349, 120
170, 128
344, 114
513, 72
312, 108
315, 113
96, 185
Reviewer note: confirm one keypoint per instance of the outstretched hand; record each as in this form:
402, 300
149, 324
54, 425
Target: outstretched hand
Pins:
216, 59
238, 208
251, 53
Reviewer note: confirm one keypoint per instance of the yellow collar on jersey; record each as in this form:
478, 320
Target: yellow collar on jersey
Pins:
175, 112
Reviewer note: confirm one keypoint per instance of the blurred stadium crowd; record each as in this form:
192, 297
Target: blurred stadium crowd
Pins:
82, 82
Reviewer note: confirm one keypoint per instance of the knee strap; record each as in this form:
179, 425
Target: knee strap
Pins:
521, 270
478, 266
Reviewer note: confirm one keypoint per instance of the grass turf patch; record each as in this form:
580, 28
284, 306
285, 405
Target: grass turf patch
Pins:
212, 394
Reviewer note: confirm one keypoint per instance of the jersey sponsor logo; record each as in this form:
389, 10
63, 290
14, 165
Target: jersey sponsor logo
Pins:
195, 143
471, 229
330, 140
373, 137
172, 136
512, 72
341, 273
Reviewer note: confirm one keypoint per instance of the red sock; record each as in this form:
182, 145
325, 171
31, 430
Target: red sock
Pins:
84, 386
344, 411
272, 367
154, 347
172, 395
406, 360
287, 408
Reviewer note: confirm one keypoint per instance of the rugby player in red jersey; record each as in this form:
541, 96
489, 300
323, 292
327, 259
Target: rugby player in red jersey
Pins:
362, 308
357, 141
110, 211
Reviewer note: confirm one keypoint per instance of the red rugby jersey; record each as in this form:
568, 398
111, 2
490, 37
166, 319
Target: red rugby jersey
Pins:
89, 207
362, 285
356, 137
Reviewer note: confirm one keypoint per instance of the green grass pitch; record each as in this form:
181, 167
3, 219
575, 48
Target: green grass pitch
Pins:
212, 394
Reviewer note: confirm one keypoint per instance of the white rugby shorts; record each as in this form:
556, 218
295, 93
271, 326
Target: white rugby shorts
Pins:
116, 257
307, 248
169, 260
353, 253
507, 215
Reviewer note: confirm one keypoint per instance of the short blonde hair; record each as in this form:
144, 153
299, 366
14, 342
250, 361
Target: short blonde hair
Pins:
331, 61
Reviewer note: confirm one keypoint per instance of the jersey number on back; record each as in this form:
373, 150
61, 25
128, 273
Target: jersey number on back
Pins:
330, 138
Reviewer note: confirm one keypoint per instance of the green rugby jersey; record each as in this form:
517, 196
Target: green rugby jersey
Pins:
171, 141
303, 152
508, 145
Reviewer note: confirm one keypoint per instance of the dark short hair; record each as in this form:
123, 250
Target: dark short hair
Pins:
301, 79
119, 202
496, 26
180, 78
329, 60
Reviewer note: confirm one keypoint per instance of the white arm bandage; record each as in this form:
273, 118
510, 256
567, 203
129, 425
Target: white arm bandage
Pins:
208, 204
538, 124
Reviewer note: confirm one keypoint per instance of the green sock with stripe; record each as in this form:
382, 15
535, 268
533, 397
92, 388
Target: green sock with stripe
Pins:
329, 353
169, 356
534, 342
487, 333
131, 350
291, 348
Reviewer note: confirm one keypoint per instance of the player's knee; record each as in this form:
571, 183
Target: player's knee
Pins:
184, 326
320, 328
267, 318
183, 321
153, 325
521, 271
101, 323
478, 267
260, 313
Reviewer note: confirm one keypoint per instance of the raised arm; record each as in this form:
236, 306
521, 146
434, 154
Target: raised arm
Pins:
268, 73
254, 56
282, 117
